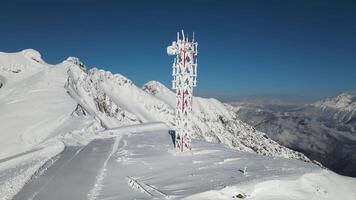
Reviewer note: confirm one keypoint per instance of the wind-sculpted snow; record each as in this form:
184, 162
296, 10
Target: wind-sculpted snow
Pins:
19, 62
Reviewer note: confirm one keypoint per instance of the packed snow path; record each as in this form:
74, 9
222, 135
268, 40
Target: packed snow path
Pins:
72, 176
146, 166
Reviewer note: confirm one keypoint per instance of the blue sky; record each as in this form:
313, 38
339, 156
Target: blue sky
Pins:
305, 48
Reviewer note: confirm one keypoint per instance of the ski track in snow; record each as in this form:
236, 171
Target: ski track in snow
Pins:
19, 155
76, 168
94, 192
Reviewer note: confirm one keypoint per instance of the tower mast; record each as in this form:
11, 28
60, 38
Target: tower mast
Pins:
184, 80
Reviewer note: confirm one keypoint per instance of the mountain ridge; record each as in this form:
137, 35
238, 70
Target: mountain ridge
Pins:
98, 93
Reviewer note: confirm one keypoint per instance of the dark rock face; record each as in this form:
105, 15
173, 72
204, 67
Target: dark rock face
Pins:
323, 134
79, 111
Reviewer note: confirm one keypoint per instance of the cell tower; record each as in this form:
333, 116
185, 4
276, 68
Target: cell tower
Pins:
184, 79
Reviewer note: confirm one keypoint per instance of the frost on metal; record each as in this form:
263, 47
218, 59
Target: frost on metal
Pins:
184, 79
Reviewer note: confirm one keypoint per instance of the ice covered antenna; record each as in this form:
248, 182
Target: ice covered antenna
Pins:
184, 80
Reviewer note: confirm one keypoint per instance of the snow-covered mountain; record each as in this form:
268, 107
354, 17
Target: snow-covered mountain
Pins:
115, 100
344, 102
343, 107
215, 122
44, 108
324, 131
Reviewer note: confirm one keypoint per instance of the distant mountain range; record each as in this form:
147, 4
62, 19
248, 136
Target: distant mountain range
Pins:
324, 131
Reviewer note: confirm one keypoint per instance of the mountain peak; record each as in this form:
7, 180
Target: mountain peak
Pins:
28, 60
345, 102
75, 61
154, 87
32, 54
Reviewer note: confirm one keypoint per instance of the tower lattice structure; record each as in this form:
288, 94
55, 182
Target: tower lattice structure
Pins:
184, 80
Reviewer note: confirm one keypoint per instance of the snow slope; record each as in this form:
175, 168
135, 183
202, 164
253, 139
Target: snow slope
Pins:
151, 168
34, 109
27, 115
315, 185
140, 162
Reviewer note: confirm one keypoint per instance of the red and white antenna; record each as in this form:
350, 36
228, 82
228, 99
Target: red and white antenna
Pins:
184, 79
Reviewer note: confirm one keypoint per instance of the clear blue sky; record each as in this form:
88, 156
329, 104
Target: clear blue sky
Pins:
246, 47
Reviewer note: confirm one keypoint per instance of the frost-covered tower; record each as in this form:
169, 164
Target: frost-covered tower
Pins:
184, 79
